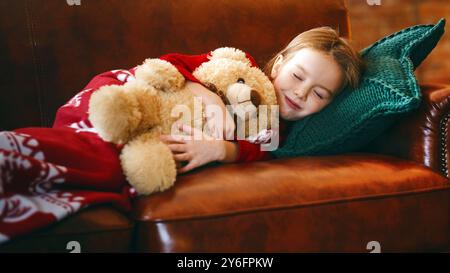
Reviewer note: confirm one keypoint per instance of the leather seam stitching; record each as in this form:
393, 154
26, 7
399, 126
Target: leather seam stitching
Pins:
444, 150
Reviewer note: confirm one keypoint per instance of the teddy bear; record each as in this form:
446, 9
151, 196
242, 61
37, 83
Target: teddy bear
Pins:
137, 113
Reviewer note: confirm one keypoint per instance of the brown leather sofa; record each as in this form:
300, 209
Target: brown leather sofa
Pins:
395, 191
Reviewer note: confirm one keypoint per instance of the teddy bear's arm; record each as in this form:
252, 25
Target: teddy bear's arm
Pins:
160, 74
118, 113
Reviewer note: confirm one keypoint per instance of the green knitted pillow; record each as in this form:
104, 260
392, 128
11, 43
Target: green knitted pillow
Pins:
388, 89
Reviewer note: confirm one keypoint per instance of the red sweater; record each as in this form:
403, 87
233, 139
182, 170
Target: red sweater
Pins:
75, 113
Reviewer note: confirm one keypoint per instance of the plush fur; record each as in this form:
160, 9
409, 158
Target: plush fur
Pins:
138, 112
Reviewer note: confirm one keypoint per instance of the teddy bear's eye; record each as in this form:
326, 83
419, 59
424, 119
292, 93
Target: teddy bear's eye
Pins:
240, 80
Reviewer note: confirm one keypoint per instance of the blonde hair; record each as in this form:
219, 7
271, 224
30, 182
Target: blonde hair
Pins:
326, 40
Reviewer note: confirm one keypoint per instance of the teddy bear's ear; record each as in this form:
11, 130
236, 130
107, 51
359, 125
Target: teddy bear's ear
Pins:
229, 53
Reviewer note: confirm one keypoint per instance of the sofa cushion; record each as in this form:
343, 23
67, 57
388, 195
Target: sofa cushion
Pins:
388, 89
334, 203
96, 229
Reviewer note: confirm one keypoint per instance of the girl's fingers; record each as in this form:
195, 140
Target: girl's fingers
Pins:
190, 166
171, 139
177, 148
182, 157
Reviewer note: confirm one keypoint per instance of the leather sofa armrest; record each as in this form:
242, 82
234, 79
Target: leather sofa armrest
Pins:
423, 135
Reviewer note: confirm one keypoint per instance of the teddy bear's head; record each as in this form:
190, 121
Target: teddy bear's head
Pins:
245, 88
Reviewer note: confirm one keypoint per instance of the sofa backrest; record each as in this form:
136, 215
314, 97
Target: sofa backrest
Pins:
50, 49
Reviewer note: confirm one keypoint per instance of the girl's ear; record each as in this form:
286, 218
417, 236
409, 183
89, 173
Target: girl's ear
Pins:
276, 66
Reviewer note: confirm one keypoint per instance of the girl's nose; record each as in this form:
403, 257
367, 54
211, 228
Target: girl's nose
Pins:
301, 93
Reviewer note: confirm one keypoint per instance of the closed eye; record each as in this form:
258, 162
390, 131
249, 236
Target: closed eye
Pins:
318, 94
298, 77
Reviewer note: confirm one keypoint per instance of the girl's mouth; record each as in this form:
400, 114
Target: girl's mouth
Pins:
292, 104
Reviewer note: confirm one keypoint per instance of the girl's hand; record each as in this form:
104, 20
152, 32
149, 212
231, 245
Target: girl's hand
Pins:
222, 128
196, 152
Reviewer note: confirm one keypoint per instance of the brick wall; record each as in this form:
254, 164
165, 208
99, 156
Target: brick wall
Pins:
369, 23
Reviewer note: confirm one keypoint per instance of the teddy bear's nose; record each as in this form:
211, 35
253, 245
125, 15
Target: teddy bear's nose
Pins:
255, 98
240, 80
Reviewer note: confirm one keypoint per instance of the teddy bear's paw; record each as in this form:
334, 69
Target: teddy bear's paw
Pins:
148, 166
114, 113
160, 74
149, 103
229, 53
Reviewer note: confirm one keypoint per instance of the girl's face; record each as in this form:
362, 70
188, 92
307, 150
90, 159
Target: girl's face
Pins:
306, 83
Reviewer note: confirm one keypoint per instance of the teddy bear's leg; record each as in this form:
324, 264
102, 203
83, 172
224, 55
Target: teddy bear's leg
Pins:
149, 104
160, 74
120, 112
148, 164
